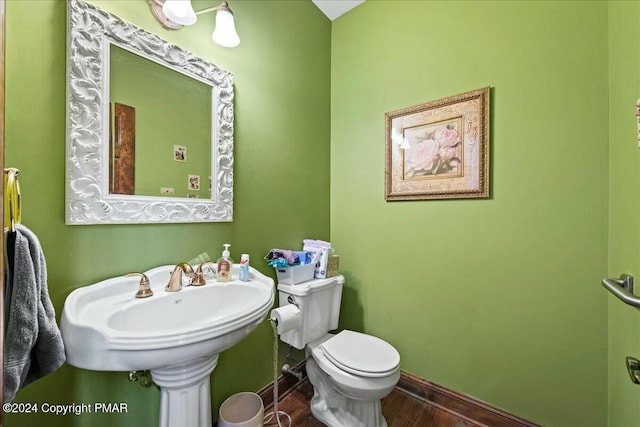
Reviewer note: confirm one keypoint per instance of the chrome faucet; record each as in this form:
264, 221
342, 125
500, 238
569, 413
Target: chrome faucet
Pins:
199, 279
175, 282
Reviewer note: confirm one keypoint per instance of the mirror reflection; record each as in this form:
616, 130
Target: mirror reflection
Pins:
160, 129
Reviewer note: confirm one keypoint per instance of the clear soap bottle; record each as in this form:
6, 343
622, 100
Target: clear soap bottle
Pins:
225, 264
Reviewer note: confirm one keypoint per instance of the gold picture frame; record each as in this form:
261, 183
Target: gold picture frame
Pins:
439, 150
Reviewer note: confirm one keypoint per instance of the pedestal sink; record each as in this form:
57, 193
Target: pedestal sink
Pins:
176, 335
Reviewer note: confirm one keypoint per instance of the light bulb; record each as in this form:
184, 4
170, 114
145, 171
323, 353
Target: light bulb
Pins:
225, 32
179, 11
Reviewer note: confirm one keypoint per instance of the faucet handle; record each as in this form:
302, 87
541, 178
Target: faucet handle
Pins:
144, 290
198, 279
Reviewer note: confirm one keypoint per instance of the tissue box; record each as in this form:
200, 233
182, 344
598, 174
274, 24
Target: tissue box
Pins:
295, 274
333, 265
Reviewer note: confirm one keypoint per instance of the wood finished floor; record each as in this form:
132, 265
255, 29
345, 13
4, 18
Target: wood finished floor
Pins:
400, 409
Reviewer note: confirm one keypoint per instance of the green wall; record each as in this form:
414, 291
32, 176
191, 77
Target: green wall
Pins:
497, 298
624, 190
281, 180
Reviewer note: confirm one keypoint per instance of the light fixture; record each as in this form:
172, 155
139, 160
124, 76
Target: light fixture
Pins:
225, 33
173, 14
179, 11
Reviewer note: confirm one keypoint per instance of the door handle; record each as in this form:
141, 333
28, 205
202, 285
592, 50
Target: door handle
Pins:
633, 368
622, 288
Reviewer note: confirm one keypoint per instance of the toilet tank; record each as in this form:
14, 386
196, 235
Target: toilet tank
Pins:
319, 304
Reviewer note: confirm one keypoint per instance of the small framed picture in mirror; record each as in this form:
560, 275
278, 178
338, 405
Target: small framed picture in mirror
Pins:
194, 182
179, 153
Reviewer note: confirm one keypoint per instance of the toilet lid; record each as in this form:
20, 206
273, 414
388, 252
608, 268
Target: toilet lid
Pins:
361, 354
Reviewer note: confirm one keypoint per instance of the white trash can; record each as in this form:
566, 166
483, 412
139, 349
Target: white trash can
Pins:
242, 410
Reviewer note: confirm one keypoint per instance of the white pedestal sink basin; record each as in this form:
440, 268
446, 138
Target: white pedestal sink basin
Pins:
176, 335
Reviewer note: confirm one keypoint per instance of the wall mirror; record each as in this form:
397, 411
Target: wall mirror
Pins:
181, 169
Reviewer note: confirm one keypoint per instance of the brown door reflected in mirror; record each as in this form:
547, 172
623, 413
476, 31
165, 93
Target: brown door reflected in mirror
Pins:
122, 169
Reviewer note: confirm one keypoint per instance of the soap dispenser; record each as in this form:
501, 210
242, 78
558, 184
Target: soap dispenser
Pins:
225, 263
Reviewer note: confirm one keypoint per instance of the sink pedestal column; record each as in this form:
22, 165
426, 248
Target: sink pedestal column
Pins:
185, 394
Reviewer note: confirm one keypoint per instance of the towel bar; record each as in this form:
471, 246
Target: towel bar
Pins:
623, 289
12, 205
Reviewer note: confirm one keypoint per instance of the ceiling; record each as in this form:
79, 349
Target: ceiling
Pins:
335, 8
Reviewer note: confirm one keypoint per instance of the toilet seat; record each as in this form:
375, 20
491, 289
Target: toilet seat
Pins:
361, 354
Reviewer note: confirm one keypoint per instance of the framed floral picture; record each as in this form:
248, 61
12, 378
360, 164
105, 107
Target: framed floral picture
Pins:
439, 150
179, 153
194, 182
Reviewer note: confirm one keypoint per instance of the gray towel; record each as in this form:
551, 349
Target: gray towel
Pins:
33, 345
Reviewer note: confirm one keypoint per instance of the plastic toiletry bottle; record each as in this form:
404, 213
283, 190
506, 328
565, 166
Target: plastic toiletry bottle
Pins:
244, 268
225, 263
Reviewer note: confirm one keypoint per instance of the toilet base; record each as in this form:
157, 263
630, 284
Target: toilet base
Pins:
334, 409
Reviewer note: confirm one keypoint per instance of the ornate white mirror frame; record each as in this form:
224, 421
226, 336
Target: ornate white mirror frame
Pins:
90, 33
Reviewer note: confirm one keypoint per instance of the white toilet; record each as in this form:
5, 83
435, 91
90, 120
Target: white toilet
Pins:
350, 371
